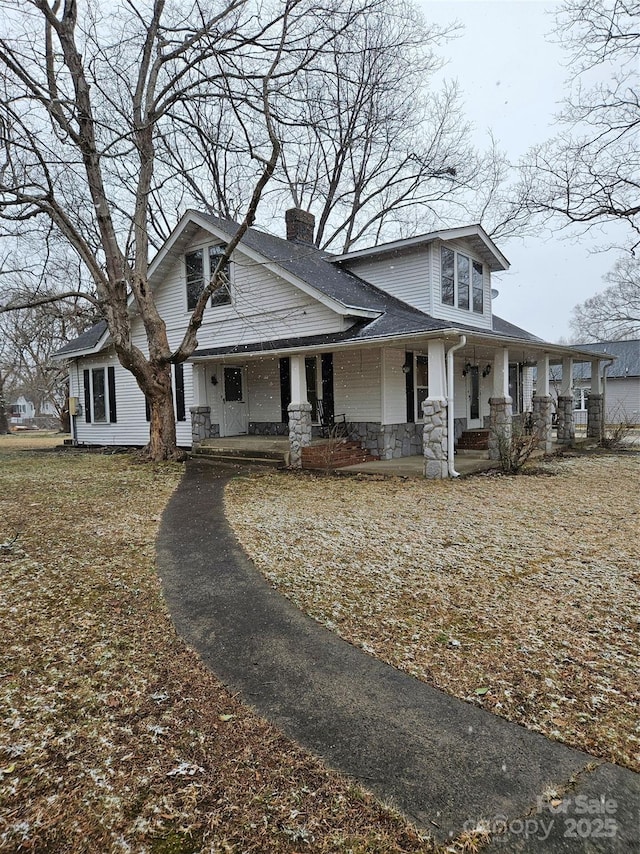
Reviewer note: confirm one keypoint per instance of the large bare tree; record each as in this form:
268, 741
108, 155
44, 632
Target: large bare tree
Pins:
370, 143
89, 93
614, 313
589, 174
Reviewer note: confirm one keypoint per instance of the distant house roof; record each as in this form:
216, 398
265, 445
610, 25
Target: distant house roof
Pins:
626, 364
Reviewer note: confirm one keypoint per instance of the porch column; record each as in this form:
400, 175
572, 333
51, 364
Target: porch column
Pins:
434, 415
542, 406
566, 425
299, 412
200, 411
501, 405
595, 405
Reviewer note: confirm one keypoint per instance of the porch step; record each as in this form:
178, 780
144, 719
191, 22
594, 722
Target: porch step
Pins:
335, 454
474, 440
248, 456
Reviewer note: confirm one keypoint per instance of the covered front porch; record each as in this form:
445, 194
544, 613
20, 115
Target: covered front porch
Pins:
414, 399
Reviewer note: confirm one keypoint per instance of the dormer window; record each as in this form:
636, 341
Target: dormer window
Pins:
199, 268
461, 281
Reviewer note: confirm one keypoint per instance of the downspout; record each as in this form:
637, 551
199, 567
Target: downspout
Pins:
603, 426
450, 399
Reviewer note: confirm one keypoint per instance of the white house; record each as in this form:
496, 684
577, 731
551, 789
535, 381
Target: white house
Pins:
399, 341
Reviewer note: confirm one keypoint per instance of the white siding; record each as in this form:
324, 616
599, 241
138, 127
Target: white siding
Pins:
131, 428
623, 399
449, 312
415, 278
394, 387
356, 378
405, 276
264, 307
263, 384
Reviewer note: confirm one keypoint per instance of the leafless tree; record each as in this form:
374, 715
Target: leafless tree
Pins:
87, 95
613, 314
368, 144
589, 173
33, 334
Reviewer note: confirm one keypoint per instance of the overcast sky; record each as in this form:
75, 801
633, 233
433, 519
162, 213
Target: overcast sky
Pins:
512, 79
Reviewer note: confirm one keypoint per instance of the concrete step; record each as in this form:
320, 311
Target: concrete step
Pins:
237, 460
243, 453
248, 456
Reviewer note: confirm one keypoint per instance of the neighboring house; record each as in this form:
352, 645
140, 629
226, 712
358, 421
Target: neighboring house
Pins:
622, 382
400, 341
22, 413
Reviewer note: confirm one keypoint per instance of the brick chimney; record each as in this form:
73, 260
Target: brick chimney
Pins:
300, 226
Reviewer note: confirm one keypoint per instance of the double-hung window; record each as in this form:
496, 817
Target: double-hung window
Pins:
200, 268
100, 395
461, 281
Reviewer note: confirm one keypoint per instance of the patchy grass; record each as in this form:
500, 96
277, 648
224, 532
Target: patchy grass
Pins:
114, 736
517, 594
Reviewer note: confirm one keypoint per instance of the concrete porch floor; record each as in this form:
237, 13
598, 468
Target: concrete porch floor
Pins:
257, 446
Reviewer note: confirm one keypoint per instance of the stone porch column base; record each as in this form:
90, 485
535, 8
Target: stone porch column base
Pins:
595, 416
200, 423
542, 420
299, 431
434, 413
500, 424
566, 424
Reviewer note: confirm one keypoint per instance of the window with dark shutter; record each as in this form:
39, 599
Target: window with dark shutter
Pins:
111, 383
178, 374
285, 388
87, 396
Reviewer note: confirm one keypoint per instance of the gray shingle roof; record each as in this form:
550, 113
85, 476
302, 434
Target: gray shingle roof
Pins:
87, 341
314, 267
627, 363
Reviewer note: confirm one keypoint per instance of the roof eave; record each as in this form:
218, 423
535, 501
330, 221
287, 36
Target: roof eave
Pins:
502, 262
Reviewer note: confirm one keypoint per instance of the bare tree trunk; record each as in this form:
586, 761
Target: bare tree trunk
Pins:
162, 429
4, 421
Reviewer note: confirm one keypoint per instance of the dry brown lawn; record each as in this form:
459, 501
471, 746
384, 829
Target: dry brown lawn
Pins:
114, 736
519, 594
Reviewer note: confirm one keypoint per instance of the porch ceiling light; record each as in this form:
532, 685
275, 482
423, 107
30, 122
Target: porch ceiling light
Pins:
466, 369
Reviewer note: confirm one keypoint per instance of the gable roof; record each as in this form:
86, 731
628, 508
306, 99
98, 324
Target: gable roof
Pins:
475, 235
90, 341
379, 315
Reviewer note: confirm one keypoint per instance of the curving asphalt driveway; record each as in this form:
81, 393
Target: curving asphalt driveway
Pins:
445, 764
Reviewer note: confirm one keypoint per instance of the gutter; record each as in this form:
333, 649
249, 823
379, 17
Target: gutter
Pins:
450, 400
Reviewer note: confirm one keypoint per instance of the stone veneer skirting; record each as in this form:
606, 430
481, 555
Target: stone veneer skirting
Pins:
387, 441
268, 428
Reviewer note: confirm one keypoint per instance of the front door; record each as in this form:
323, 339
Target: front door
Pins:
473, 394
234, 403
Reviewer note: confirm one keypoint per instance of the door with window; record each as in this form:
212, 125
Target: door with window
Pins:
473, 398
234, 401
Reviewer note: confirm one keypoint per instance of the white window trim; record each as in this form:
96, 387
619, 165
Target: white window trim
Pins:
470, 310
206, 275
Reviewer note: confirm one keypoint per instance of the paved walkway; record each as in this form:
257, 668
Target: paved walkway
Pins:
444, 763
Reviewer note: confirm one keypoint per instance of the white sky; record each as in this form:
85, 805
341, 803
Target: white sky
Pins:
512, 80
